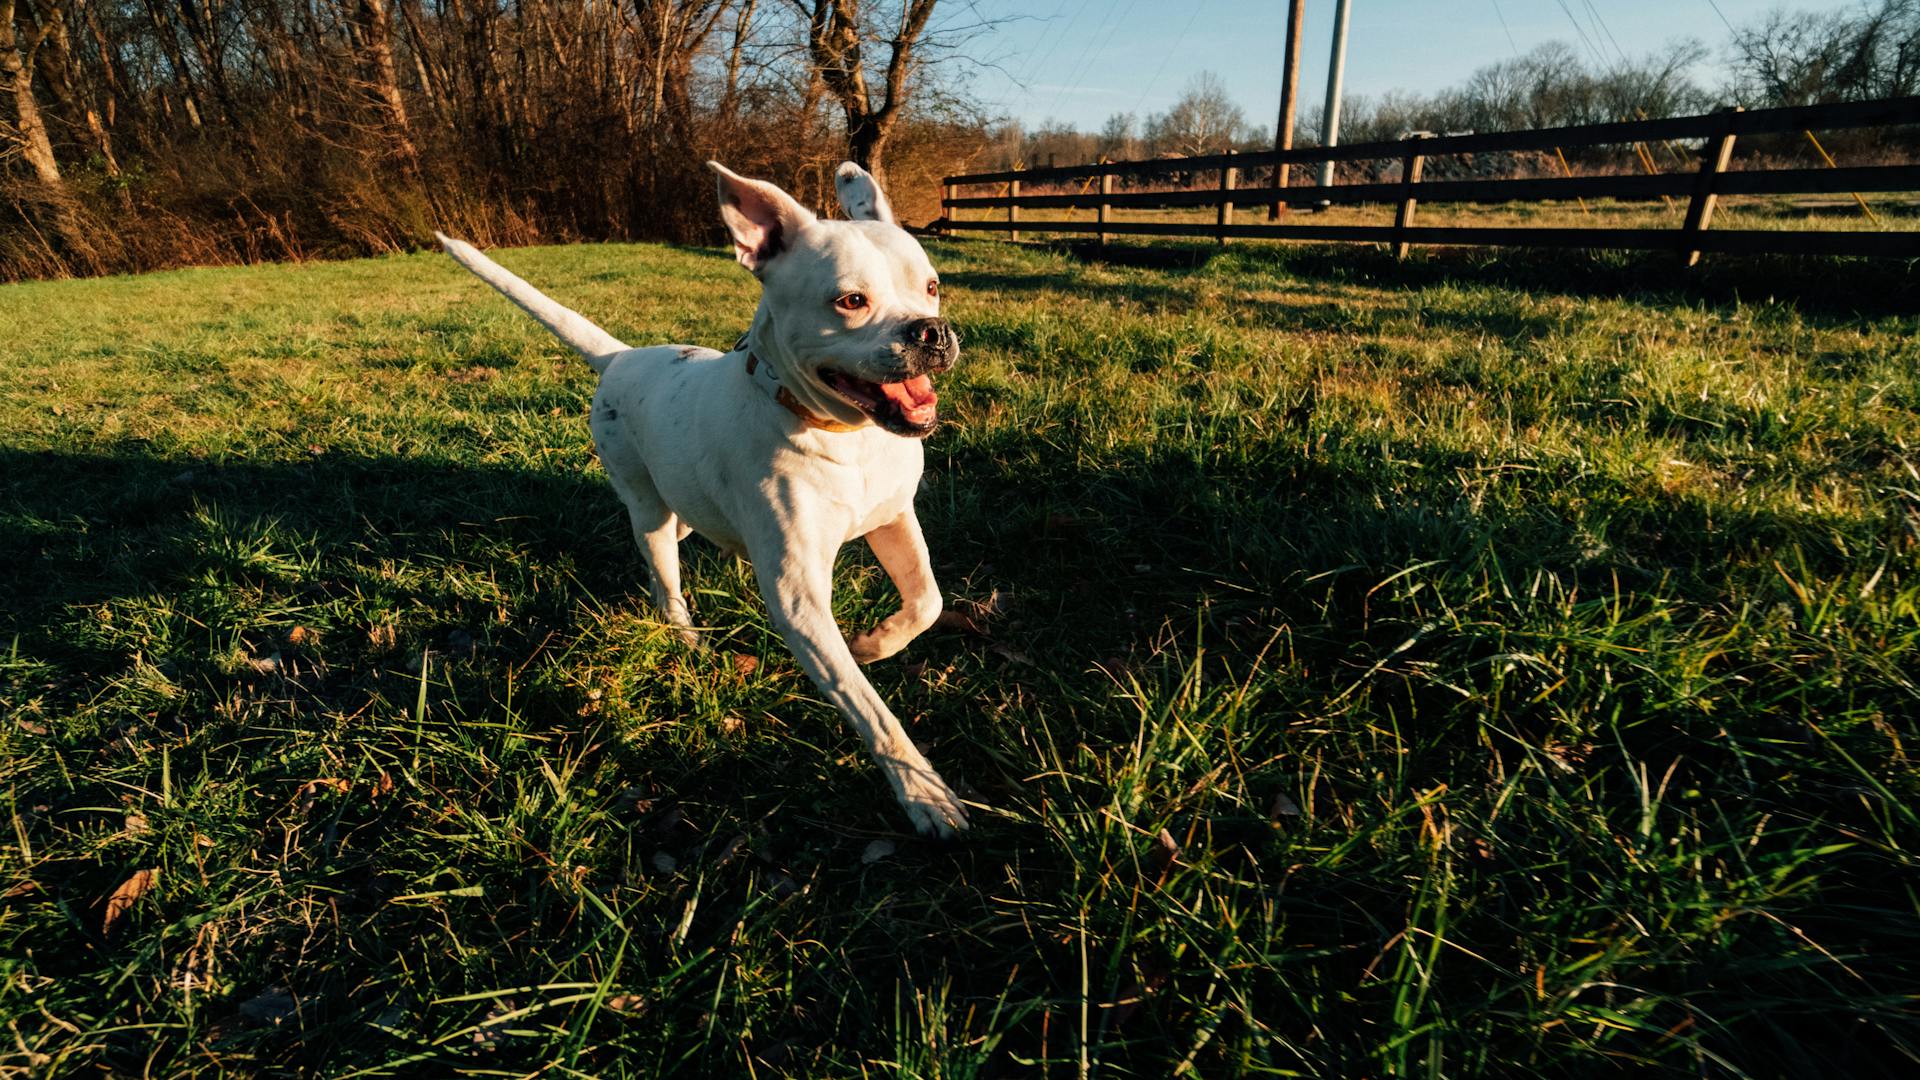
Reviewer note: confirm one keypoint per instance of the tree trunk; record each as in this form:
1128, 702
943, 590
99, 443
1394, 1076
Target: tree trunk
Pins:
730, 100
376, 35
867, 137
170, 43
29, 129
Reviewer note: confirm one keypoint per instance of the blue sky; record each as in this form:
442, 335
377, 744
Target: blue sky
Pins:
1083, 60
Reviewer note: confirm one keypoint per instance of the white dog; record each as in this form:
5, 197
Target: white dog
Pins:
801, 439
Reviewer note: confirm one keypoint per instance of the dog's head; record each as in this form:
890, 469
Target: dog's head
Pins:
850, 310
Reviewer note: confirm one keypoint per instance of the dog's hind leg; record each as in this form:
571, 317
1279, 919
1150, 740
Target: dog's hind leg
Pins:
902, 550
658, 532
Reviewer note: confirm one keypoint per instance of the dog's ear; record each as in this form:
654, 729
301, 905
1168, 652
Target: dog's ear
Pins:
761, 217
860, 194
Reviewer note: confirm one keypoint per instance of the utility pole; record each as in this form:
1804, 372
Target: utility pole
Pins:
1289, 100
1330, 124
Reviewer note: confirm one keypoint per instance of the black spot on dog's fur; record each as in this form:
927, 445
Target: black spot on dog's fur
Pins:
612, 413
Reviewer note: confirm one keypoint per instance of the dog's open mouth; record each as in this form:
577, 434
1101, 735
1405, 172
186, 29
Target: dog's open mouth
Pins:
904, 408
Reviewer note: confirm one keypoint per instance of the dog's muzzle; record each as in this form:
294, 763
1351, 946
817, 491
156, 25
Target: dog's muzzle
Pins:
931, 345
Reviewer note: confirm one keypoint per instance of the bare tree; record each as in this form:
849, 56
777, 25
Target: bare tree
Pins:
1800, 58
1203, 120
837, 33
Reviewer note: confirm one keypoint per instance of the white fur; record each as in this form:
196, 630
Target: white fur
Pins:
691, 444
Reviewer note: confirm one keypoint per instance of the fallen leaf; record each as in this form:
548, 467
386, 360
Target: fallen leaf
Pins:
381, 637
266, 666
1012, 654
724, 853
300, 635
733, 725
1165, 850
627, 1003
745, 664
1283, 806
876, 851
270, 1008
385, 786
123, 897
136, 824
21, 889
959, 622
1135, 995
309, 792
31, 727
489, 1034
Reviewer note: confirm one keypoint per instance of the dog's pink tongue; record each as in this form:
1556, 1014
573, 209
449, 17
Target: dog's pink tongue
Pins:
915, 398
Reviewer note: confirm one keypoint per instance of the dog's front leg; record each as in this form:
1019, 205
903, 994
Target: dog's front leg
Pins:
796, 578
902, 550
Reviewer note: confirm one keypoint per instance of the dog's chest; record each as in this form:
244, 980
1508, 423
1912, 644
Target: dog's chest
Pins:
730, 464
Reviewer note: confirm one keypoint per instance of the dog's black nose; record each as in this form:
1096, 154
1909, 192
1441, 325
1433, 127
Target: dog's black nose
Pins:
930, 334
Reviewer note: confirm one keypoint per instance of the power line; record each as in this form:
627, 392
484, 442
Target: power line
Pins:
1594, 14
1723, 16
1498, 14
1582, 31
1037, 60
1177, 42
1095, 48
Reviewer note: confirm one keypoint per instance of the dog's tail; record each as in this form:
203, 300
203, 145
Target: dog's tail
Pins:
588, 340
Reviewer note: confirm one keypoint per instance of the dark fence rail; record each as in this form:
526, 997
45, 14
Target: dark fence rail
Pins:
1717, 133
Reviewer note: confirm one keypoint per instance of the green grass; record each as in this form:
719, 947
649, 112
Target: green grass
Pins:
1483, 666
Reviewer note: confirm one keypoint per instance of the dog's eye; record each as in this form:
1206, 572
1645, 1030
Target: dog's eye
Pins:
933, 289
852, 301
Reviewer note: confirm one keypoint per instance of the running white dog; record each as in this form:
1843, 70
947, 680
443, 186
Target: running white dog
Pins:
799, 440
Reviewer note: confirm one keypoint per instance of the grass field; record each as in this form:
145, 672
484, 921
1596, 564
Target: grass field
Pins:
1477, 667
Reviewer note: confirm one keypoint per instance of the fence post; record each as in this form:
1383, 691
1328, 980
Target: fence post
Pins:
1106, 189
1713, 161
1228, 177
946, 209
1411, 166
1013, 211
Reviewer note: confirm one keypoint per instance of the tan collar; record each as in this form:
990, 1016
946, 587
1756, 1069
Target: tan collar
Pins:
767, 379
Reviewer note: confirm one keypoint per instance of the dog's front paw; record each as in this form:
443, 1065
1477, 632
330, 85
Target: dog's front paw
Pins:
934, 808
870, 646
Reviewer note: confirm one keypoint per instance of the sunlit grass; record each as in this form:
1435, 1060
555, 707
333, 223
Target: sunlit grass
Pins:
1470, 667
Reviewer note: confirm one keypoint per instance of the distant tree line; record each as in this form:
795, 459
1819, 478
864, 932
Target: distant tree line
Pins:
1784, 58
144, 133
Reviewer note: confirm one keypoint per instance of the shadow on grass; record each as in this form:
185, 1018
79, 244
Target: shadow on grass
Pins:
1824, 289
1128, 557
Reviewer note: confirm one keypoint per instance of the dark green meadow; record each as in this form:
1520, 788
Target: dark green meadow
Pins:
1478, 667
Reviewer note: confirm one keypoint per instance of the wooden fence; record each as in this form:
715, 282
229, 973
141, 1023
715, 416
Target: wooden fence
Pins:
1715, 132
